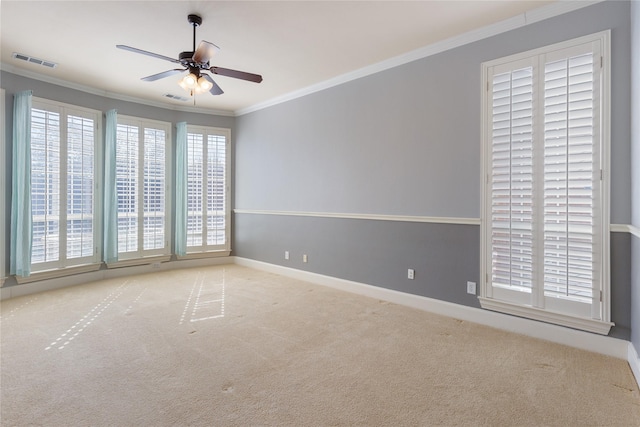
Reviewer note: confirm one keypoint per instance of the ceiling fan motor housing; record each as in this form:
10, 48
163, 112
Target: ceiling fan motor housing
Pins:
194, 20
186, 59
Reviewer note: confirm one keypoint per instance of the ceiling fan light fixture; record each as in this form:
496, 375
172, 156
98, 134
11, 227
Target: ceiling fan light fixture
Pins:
204, 85
189, 82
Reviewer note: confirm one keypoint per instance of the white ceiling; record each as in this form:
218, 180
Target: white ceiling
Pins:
293, 44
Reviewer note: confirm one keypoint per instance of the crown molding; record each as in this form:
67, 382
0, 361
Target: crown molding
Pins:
107, 94
540, 14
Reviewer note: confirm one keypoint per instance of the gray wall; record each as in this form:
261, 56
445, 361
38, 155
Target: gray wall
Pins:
13, 83
406, 141
635, 172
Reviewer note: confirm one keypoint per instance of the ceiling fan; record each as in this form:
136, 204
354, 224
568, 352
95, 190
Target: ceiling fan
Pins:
196, 62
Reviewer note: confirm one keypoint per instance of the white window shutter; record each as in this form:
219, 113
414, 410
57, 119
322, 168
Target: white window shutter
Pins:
511, 179
126, 187
569, 178
545, 242
154, 198
141, 168
45, 185
80, 184
63, 176
207, 192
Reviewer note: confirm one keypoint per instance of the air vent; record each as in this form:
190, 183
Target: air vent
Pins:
33, 60
176, 97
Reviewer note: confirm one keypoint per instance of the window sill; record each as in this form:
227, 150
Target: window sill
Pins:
139, 261
58, 272
584, 324
198, 255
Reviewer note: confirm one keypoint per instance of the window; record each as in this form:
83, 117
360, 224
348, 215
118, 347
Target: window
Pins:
63, 185
207, 189
545, 215
141, 187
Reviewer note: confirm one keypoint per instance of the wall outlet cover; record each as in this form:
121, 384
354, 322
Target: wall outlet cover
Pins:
471, 288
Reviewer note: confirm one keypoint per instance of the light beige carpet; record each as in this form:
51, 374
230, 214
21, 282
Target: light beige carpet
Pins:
231, 346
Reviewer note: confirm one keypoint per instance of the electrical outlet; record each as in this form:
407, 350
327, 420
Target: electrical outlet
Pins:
411, 274
286, 254
305, 258
155, 265
471, 288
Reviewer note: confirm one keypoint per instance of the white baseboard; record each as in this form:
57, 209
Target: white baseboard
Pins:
579, 339
634, 362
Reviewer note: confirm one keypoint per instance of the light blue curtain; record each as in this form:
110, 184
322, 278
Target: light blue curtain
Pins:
21, 220
181, 188
110, 250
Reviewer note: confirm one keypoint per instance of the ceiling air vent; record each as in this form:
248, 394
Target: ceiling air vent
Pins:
33, 60
176, 97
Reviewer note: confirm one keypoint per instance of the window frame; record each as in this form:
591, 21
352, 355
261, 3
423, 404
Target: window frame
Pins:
39, 270
156, 255
524, 308
206, 250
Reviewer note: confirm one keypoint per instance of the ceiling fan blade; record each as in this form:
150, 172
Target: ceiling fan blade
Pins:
215, 89
256, 78
205, 52
162, 75
144, 52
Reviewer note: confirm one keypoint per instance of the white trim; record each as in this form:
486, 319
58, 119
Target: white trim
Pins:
203, 255
139, 261
64, 272
112, 95
634, 362
375, 217
625, 228
590, 325
609, 346
518, 21
613, 228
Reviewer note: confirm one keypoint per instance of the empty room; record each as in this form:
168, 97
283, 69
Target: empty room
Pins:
310, 213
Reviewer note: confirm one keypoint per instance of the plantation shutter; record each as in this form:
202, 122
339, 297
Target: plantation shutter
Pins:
80, 184
571, 175
195, 190
63, 177
141, 169
511, 179
216, 173
154, 189
544, 229
126, 187
207, 189
45, 185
